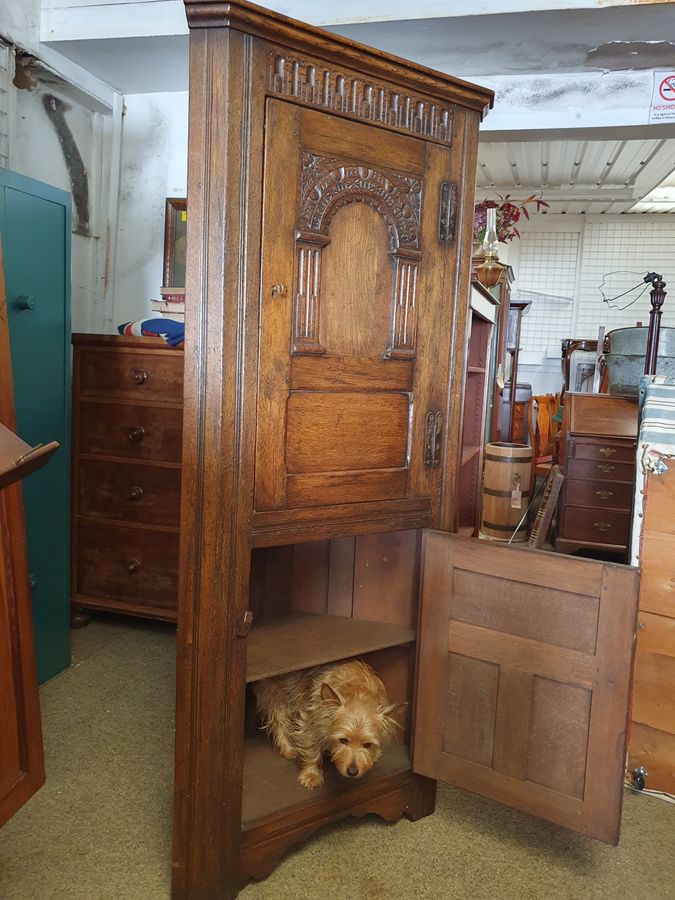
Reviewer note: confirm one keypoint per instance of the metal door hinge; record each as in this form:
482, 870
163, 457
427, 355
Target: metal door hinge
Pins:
433, 430
447, 212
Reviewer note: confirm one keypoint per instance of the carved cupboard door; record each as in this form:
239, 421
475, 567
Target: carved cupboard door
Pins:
356, 317
524, 678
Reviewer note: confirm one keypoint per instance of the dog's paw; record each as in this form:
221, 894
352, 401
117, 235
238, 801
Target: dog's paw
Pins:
310, 778
286, 751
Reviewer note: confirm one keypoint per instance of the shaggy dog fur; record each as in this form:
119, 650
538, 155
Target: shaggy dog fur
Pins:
341, 710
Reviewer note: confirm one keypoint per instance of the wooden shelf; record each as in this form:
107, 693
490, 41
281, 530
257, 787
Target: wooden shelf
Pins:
475, 370
295, 642
468, 453
271, 782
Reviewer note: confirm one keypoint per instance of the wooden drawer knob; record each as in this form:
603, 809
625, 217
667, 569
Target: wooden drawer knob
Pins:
602, 526
135, 493
133, 566
135, 433
139, 376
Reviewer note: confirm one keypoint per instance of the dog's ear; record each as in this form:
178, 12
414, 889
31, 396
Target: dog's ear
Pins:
329, 695
394, 708
389, 724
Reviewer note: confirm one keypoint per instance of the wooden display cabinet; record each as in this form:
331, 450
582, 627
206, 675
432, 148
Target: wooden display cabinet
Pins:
331, 191
484, 309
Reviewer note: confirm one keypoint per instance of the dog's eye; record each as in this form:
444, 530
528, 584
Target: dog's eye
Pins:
344, 740
367, 745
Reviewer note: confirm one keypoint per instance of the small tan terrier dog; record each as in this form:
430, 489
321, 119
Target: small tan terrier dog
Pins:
341, 710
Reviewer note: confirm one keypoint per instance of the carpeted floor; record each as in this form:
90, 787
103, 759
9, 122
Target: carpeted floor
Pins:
100, 828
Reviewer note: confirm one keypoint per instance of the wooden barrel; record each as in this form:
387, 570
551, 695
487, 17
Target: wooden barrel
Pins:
507, 471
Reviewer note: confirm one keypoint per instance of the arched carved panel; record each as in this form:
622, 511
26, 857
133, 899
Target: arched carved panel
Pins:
327, 185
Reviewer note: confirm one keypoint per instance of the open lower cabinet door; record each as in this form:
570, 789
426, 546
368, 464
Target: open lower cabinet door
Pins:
524, 678
21, 762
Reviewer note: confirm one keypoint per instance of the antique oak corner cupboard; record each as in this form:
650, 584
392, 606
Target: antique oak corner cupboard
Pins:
331, 189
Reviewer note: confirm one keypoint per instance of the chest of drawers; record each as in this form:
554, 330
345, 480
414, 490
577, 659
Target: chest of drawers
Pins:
598, 459
127, 436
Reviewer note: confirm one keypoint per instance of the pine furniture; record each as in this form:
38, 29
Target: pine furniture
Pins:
330, 189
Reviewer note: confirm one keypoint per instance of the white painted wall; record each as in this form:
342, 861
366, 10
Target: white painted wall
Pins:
33, 150
20, 22
154, 167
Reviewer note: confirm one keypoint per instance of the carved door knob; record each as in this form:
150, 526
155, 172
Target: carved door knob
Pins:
278, 290
133, 566
135, 433
135, 493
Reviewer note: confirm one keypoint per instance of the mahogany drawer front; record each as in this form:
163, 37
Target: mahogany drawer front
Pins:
603, 451
600, 471
126, 429
128, 491
131, 375
135, 565
608, 494
602, 526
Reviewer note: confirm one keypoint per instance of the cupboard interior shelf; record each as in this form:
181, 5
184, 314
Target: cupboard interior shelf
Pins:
468, 453
283, 645
271, 782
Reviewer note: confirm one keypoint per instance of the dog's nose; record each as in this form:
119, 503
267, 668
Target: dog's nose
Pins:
352, 771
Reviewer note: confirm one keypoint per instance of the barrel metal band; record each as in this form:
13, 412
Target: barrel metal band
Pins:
506, 528
494, 493
514, 459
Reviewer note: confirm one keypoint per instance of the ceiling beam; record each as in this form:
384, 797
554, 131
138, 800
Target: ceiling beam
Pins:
68, 20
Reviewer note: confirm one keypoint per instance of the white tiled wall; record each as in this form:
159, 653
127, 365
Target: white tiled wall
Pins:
568, 256
546, 276
556, 259
634, 244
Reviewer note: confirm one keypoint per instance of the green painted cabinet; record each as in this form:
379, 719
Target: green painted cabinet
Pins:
35, 227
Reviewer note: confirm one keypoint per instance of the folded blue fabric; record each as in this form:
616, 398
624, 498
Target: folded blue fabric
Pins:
173, 332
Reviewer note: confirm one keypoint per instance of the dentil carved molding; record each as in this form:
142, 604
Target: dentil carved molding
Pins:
314, 84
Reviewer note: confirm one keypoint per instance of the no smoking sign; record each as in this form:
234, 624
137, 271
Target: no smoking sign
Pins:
662, 106
667, 89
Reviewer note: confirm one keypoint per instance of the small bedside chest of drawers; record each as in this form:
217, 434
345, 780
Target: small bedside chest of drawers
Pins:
127, 442
597, 454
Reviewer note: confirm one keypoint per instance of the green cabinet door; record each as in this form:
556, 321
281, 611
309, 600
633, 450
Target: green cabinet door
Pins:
35, 231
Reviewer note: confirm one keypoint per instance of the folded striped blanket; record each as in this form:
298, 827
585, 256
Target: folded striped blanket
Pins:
173, 332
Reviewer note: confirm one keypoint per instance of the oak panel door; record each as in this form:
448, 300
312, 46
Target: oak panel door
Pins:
355, 324
524, 679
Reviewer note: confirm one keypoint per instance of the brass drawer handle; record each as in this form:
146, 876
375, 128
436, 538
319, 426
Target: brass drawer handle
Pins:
133, 566
135, 433
605, 467
602, 526
606, 452
139, 376
604, 495
135, 493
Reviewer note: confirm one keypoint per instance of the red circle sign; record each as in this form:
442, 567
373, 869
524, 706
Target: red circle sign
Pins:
667, 89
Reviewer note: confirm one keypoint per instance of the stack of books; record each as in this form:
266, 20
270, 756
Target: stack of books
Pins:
172, 304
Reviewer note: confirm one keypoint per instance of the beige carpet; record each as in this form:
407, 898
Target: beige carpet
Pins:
100, 828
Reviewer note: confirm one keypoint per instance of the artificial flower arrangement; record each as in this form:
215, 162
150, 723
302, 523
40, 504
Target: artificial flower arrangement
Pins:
508, 212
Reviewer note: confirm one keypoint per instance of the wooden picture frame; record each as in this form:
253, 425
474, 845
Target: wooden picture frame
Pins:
175, 231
